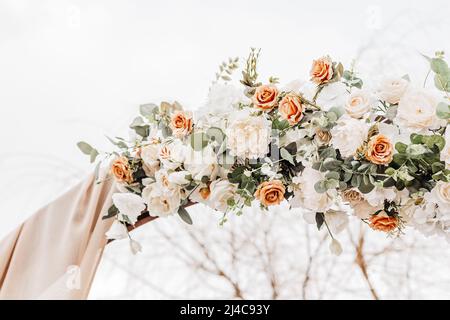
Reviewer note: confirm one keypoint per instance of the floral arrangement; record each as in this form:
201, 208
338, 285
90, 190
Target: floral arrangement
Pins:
328, 145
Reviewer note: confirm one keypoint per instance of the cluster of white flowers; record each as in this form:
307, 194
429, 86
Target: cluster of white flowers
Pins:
327, 145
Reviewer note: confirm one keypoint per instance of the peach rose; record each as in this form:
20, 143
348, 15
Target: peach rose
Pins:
204, 192
291, 108
181, 123
322, 136
322, 70
352, 196
383, 222
121, 170
270, 193
379, 150
265, 97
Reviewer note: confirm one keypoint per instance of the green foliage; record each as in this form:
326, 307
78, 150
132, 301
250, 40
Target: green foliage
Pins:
184, 215
198, 141
250, 75
139, 126
287, 156
441, 72
226, 69
87, 149
443, 110
351, 80
280, 124
320, 219
112, 212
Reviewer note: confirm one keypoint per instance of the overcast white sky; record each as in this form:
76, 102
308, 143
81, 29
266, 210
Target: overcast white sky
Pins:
77, 70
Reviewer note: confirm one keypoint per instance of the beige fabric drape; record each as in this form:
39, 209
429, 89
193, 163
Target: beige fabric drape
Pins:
55, 253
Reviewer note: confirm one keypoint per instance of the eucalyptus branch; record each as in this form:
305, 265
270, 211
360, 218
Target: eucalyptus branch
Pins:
226, 69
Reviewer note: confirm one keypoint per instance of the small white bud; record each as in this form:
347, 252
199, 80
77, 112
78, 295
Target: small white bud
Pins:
335, 247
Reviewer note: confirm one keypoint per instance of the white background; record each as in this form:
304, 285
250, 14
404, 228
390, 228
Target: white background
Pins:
77, 70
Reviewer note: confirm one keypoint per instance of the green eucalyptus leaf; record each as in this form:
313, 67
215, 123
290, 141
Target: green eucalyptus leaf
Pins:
443, 110
338, 111
184, 215
390, 171
320, 187
148, 110
389, 182
85, 147
401, 147
112, 212
436, 140
331, 164
400, 158
442, 82
437, 166
347, 176
287, 156
332, 175
366, 187
143, 131
93, 155
439, 66
320, 219
328, 153
137, 122
215, 134
198, 141
416, 138
331, 184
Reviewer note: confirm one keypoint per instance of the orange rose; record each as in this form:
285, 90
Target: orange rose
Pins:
265, 97
181, 123
204, 193
291, 108
383, 222
121, 170
322, 70
270, 193
379, 150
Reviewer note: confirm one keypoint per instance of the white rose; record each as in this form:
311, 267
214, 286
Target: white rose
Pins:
337, 221
445, 153
172, 154
377, 196
359, 103
129, 205
392, 89
363, 209
201, 163
117, 231
179, 177
249, 136
440, 195
417, 111
332, 95
149, 155
161, 202
424, 219
221, 192
222, 98
305, 196
348, 135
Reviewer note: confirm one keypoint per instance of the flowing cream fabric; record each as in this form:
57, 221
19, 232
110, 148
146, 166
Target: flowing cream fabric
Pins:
55, 253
